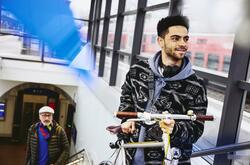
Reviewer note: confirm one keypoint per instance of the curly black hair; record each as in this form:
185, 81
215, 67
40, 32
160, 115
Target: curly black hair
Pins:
165, 23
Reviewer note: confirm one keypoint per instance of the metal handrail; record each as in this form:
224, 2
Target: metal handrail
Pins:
222, 149
76, 161
76, 154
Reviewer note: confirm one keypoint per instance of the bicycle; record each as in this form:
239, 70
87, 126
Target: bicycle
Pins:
171, 155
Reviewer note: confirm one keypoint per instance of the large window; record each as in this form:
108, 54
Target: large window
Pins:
212, 34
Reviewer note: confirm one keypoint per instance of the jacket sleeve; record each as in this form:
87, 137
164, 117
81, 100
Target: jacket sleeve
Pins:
126, 99
28, 151
188, 132
64, 143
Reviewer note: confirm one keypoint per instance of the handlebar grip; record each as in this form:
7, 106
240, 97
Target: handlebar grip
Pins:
125, 114
205, 117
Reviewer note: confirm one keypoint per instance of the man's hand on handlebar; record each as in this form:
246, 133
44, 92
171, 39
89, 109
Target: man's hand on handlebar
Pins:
167, 125
128, 127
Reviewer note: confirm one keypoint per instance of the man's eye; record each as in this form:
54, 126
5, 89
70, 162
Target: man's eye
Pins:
186, 39
175, 38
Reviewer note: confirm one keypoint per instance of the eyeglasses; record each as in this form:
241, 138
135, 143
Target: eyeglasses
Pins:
46, 115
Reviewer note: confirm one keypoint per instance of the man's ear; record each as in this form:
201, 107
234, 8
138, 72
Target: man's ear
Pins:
160, 41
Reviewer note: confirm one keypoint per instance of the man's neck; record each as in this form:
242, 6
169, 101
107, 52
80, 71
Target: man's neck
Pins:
168, 61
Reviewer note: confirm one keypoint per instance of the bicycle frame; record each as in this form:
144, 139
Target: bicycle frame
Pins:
171, 155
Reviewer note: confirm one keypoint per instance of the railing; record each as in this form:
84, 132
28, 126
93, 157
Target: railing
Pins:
79, 158
227, 149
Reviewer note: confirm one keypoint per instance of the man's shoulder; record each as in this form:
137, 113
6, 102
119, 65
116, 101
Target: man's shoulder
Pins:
58, 128
141, 63
139, 67
33, 126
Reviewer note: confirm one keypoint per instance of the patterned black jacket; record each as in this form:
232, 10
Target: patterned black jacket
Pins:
176, 97
58, 145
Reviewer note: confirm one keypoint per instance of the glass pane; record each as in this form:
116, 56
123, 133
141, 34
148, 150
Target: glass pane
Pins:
97, 60
103, 8
100, 33
107, 67
114, 7
209, 136
123, 67
216, 48
80, 8
9, 24
210, 46
155, 2
111, 33
149, 45
244, 134
212, 31
127, 33
131, 5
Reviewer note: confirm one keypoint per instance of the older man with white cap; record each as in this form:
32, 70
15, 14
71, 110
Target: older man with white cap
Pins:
47, 143
46, 115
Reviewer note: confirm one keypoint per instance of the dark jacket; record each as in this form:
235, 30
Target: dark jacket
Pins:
58, 145
177, 96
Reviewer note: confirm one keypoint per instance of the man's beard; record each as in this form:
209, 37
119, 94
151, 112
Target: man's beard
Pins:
171, 54
46, 123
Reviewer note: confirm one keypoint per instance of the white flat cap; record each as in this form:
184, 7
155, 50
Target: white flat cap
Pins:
46, 109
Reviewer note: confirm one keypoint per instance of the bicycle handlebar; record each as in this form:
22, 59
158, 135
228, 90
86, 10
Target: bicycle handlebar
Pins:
149, 116
125, 114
